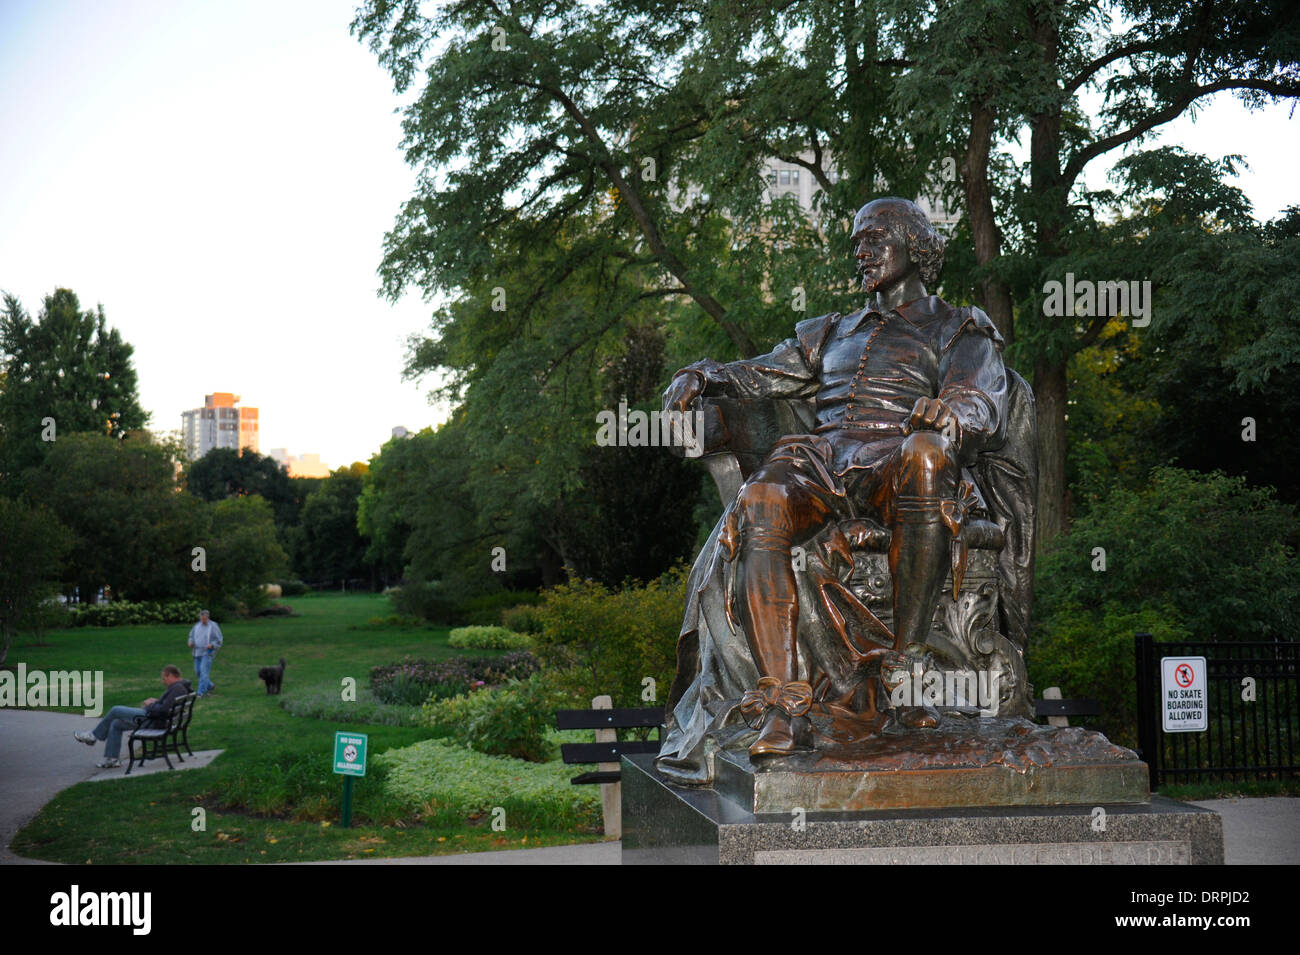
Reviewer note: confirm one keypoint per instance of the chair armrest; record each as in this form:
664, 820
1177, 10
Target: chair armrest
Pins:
737, 433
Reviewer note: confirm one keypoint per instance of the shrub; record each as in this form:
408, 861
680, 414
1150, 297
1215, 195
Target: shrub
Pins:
324, 703
426, 600
488, 638
486, 609
1089, 654
292, 588
122, 613
432, 601
510, 720
609, 642
299, 785
1220, 551
1189, 556
414, 681
525, 618
449, 783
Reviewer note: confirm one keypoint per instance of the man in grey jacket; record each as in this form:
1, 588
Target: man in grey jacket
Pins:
121, 719
205, 641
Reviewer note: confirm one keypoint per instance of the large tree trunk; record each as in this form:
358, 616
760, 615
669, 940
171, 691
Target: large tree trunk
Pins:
1050, 395
994, 295
1050, 380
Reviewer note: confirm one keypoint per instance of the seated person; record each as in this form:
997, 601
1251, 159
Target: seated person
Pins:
121, 719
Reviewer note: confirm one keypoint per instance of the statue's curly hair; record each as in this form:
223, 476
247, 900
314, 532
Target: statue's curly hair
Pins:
924, 244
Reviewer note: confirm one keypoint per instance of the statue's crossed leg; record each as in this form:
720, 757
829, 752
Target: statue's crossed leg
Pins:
788, 501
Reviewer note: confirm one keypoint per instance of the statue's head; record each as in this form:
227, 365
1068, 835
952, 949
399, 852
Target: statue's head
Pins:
893, 240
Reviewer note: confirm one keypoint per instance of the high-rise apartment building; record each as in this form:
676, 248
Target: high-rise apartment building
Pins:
785, 178
220, 423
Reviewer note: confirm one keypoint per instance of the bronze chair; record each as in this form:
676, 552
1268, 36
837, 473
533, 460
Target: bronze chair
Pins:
983, 630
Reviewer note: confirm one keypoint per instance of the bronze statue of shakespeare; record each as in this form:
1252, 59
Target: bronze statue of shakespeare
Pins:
916, 453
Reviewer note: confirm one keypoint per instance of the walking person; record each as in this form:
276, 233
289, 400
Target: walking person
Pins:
205, 641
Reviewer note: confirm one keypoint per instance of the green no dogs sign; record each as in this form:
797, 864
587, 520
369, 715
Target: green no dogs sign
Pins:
350, 754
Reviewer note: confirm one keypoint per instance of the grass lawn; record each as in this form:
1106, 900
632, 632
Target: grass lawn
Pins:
270, 797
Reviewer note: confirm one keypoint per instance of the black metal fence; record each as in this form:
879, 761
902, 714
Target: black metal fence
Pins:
1245, 738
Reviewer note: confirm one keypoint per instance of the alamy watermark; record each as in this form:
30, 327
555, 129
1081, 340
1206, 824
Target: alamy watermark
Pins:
653, 429
1087, 299
949, 688
81, 689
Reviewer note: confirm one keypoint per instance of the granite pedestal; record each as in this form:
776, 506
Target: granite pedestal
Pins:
665, 823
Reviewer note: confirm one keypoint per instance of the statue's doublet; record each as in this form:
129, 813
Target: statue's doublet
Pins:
865, 371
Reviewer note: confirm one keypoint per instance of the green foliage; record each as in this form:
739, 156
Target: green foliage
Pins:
226, 472
292, 588
1221, 552
1187, 556
448, 783
510, 720
414, 681
1088, 653
132, 532
326, 544
243, 553
32, 547
524, 618
437, 602
485, 609
488, 638
324, 702
123, 613
68, 365
609, 641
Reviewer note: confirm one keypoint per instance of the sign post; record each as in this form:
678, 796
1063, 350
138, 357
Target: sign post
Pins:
349, 762
1183, 699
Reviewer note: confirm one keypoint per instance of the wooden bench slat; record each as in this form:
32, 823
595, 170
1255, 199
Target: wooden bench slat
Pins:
611, 776
609, 719
605, 752
1067, 708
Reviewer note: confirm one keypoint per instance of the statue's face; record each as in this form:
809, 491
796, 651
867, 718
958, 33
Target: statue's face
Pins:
883, 261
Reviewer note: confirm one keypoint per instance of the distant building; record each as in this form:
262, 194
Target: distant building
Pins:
306, 465
220, 423
791, 178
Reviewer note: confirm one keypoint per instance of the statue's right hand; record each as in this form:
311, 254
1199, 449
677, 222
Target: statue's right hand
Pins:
686, 387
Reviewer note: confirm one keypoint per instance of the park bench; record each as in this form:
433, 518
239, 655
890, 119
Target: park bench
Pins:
1058, 711
154, 741
607, 749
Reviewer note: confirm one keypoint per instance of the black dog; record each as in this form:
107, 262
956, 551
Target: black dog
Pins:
273, 676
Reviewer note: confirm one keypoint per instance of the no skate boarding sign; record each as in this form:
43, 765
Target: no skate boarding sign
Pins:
1183, 694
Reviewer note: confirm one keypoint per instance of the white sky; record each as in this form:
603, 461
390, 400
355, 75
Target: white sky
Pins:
220, 177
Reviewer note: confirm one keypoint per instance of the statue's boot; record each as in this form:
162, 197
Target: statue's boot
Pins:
777, 710
776, 738
918, 561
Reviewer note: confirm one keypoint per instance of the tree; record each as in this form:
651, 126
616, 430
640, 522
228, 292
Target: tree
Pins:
132, 531
32, 547
226, 472
242, 553
67, 367
536, 126
1021, 70
328, 545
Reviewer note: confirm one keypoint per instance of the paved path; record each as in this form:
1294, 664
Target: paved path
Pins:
1259, 831
39, 758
